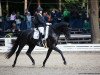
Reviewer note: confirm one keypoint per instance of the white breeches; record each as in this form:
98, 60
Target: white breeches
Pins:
45, 33
41, 29
36, 34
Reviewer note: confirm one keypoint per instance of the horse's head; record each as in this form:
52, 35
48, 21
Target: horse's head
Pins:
62, 28
65, 28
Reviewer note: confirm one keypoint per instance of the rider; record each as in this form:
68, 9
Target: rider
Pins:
41, 23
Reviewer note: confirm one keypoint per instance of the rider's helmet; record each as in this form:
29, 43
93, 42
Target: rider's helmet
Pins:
39, 8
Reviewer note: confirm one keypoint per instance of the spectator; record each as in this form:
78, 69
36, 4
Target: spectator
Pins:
26, 11
14, 28
54, 16
84, 14
47, 17
12, 18
18, 20
86, 27
59, 16
7, 24
29, 20
66, 15
75, 20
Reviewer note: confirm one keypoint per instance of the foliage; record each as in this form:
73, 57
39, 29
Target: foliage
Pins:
71, 1
79, 4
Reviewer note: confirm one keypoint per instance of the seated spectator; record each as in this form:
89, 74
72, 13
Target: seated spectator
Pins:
29, 20
12, 18
12, 32
18, 20
14, 28
66, 15
26, 11
86, 27
7, 22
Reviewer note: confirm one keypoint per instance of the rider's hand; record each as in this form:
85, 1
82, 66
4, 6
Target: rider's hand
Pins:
48, 24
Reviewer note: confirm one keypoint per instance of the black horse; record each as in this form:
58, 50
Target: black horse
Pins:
25, 37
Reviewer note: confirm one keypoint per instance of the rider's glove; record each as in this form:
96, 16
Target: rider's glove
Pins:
48, 23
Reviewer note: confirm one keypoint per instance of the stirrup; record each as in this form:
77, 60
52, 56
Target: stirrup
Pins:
44, 42
39, 44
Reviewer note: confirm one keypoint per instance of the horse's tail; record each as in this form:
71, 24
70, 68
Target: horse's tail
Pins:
13, 49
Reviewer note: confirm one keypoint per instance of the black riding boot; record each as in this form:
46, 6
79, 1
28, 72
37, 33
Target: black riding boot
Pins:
39, 43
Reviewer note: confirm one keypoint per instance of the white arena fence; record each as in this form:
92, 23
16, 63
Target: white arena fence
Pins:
63, 47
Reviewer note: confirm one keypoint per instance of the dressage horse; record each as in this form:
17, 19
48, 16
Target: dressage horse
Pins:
26, 38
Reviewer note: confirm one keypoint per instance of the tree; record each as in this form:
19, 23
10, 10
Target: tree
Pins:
94, 18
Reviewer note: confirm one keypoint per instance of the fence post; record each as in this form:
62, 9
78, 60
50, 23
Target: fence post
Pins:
7, 43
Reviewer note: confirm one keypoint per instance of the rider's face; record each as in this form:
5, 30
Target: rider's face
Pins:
40, 12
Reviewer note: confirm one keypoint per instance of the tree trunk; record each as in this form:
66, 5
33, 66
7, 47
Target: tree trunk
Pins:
25, 5
7, 7
94, 18
60, 5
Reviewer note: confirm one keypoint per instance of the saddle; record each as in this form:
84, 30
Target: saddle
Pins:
38, 36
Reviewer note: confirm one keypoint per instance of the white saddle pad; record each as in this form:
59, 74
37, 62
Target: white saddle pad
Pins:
36, 34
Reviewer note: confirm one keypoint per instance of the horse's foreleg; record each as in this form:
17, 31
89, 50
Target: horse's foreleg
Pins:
47, 56
56, 49
29, 54
17, 54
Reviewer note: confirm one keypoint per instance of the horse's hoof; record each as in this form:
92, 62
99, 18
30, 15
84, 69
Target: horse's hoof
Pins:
33, 64
43, 66
65, 63
13, 66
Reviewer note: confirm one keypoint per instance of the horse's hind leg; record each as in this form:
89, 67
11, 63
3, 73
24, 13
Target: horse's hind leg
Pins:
47, 56
56, 49
17, 54
29, 54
